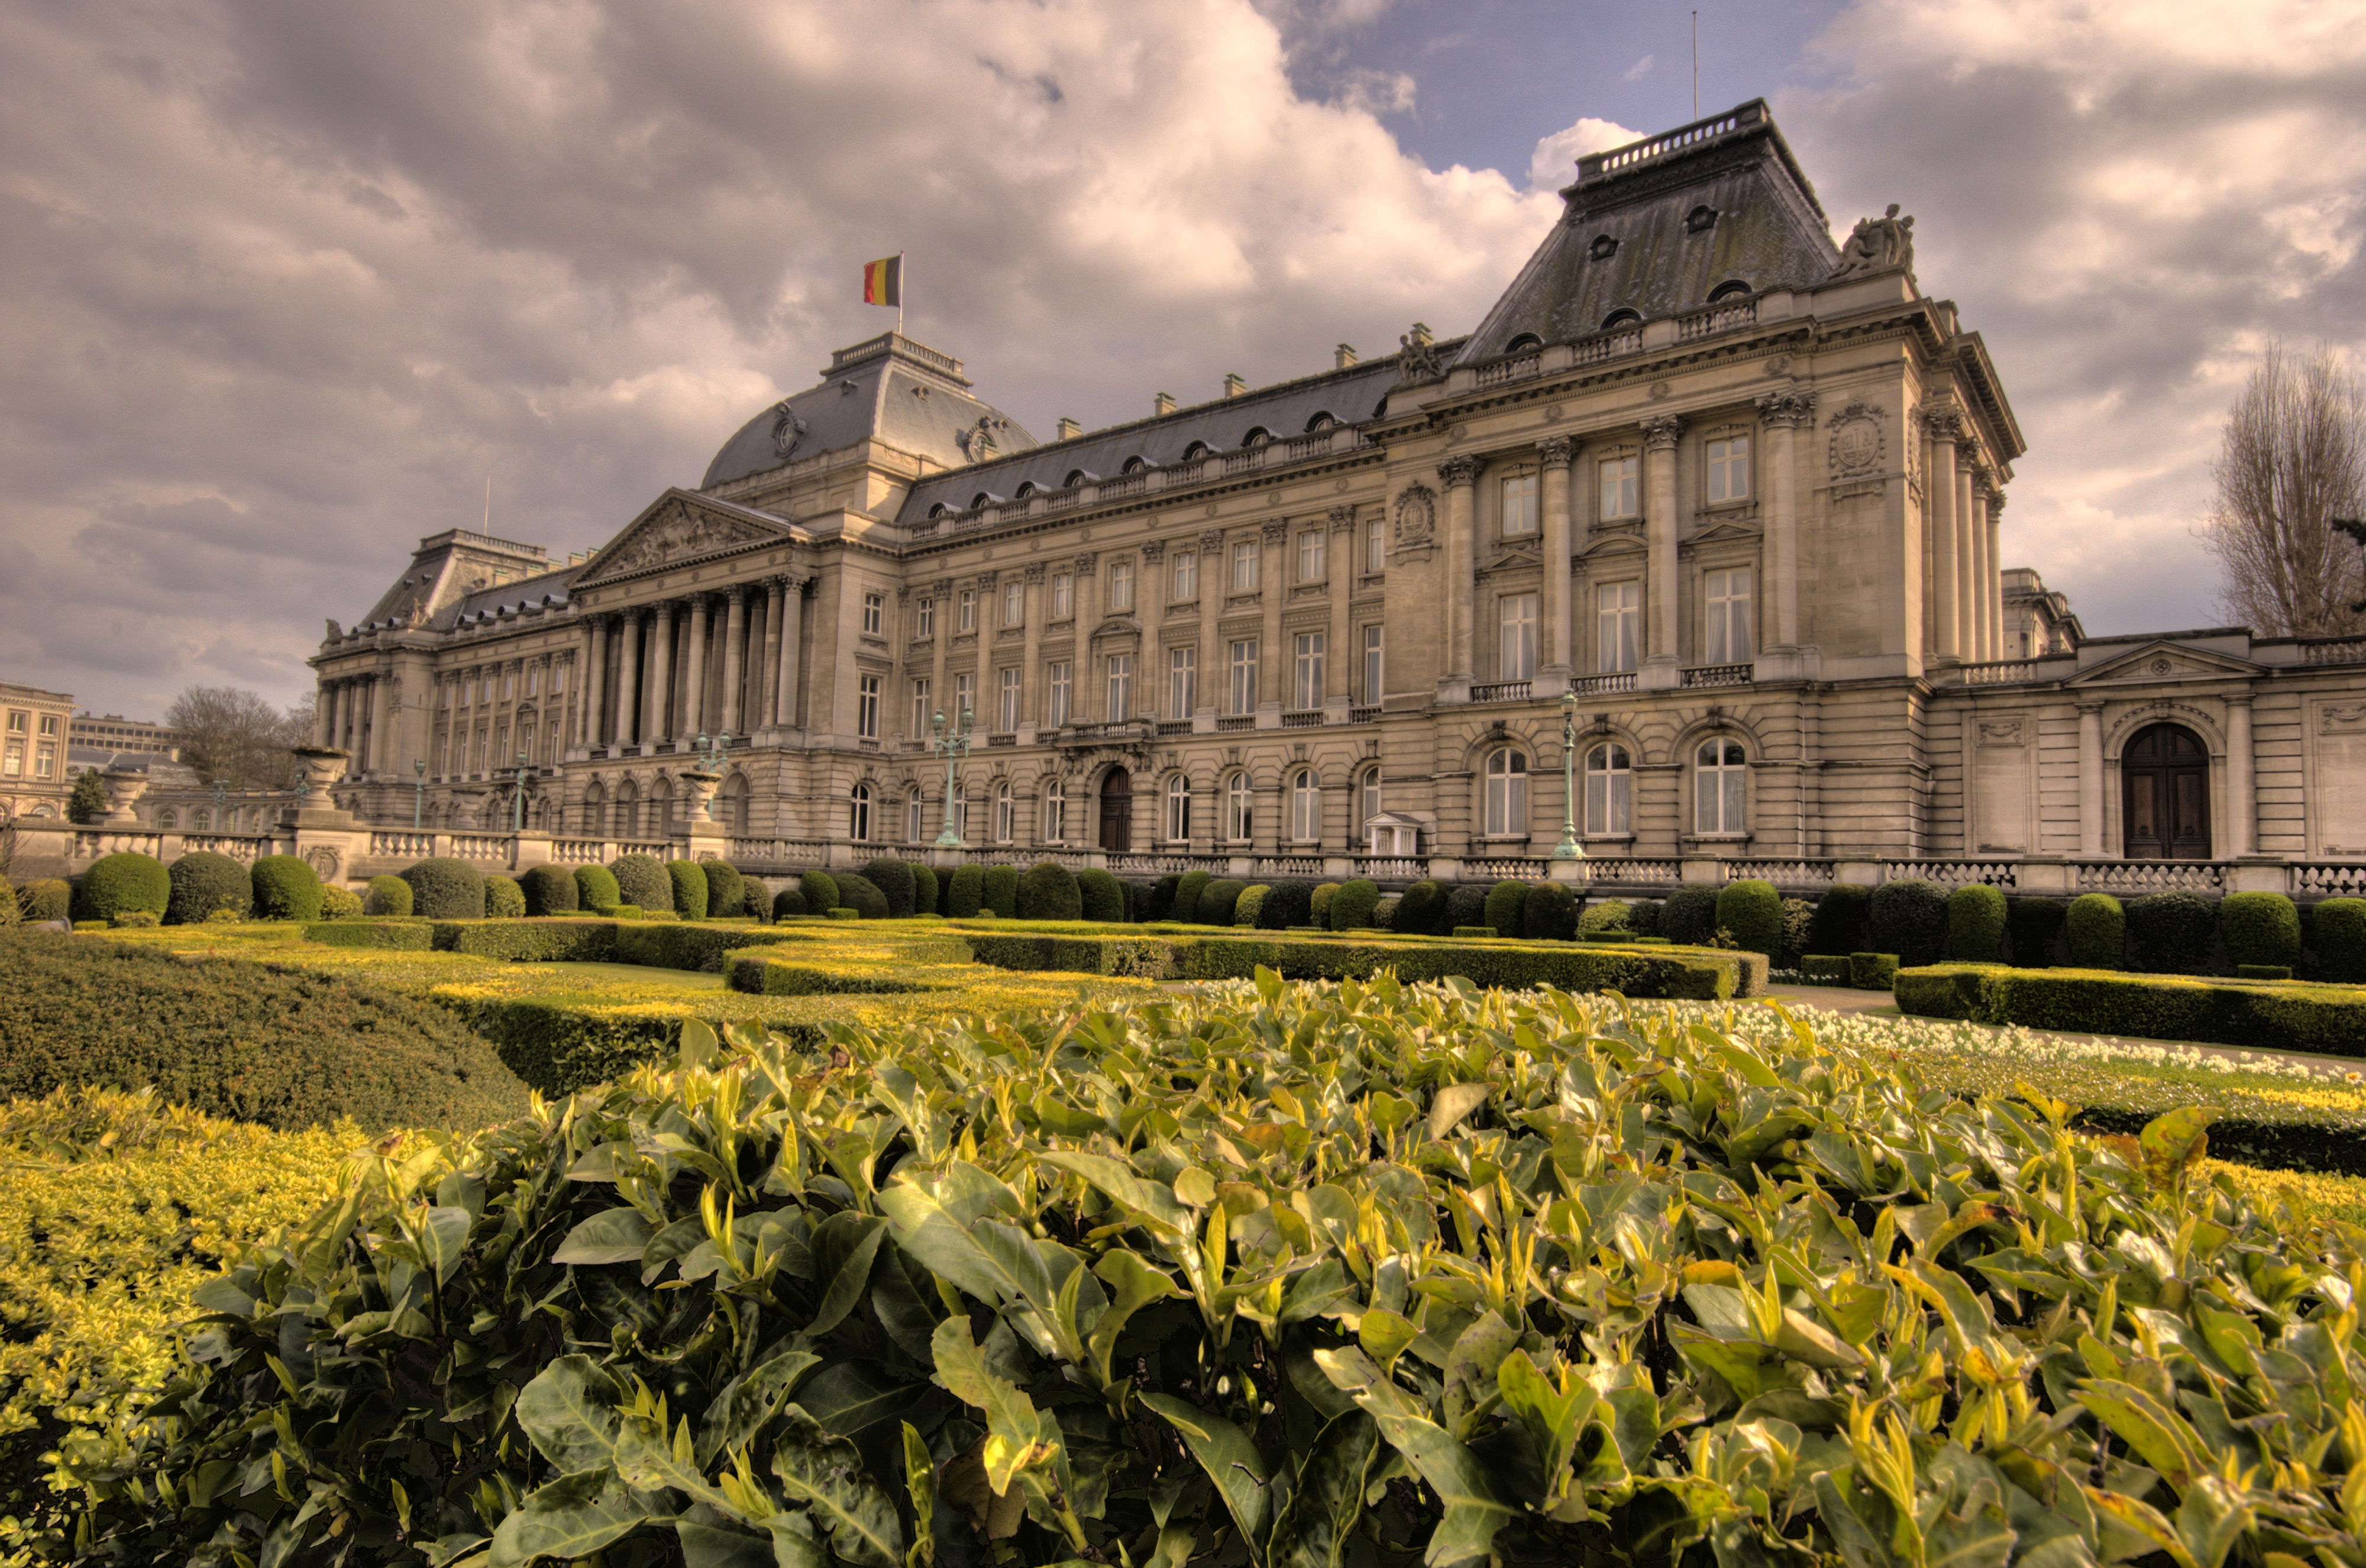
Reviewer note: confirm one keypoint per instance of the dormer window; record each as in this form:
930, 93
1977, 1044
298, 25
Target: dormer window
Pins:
1523, 343
1621, 318
980, 499
1075, 477
1026, 490
1603, 248
938, 510
1133, 465
1732, 288
1700, 220
1193, 453
1257, 437
1320, 422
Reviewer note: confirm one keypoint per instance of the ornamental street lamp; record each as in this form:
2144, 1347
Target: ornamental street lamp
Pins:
418, 793
1568, 848
519, 791
953, 744
711, 758
221, 794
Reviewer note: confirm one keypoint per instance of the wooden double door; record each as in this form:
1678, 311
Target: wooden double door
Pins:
1117, 811
2165, 794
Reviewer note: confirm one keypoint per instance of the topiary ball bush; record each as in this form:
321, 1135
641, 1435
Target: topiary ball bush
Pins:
727, 890
642, 882
820, 889
1549, 913
119, 883
893, 878
595, 888
1384, 913
203, 882
2033, 926
1050, 892
1186, 907
1466, 904
390, 896
788, 901
504, 899
1102, 897
336, 904
1219, 901
2171, 934
861, 895
2339, 928
286, 888
46, 898
447, 889
686, 890
1419, 909
1643, 915
1318, 904
1252, 899
1160, 901
1908, 918
1502, 910
1000, 892
1605, 917
1352, 906
964, 891
1287, 903
1751, 911
548, 889
2260, 928
1689, 915
1838, 928
2096, 931
1975, 918
928, 890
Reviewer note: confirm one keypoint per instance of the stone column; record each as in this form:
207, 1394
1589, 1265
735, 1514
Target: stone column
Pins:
1660, 599
1992, 520
693, 658
1554, 455
1971, 545
629, 648
941, 591
1031, 611
381, 691
324, 713
2090, 779
1459, 475
768, 692
793, 608
657, 682
1215, 677
591, 691
735, 653
2242, 807
1784, 414
1273, 564
1339, 565
1942, 422
1150, 593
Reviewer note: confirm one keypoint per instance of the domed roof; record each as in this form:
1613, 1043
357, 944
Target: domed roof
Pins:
890, 390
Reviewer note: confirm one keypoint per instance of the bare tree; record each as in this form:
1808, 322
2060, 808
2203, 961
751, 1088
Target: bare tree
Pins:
234, 735
2293, 459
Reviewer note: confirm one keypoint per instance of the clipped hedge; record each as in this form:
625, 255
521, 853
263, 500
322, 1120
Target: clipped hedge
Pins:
336, 904
893, 878
1287, 903
1252, 899
120, 882
2171, 934
549, 890
642, 882
2096, 931
203, 882
999, 891
446, 889
1050, 892
1219, 901
1159, 903
1502, 910
1423, 906
2262, 1015
1976, 921
595, 888
820, 889
1873, 971
1102, 897
1188, 888
964, 892
1907, 917
286, 888
726, 891
1547, 914
504, 899
861, 895
1352, 906
2034, 925
928, 890
1604, 917
46, 898
1838, 925
686, 890
1466, 904
1689, 915
391, 936
2339, 926
2260, 928
1318, 904
1750, 912
788, 903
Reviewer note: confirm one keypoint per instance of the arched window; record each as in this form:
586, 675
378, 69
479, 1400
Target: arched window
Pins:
1320, 422
980, 499
168, 819
1719, 769
1026, 490
1305, 807
1257, 436
1193, 453
1055, 813
1006, 814
1732, 288
200, 820
1178, 808
1609, 790
1621, 318
1134, 466
660, 808
915, 823
731, 805
626, 811
858, 814
1367, 797
1240, 813
1075, 477
1507, 793
1524, 342
938, 510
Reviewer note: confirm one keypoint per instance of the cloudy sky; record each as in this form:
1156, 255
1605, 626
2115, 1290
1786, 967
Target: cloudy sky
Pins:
282, 283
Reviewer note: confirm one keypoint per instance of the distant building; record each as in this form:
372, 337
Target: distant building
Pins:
114, 733
34, 780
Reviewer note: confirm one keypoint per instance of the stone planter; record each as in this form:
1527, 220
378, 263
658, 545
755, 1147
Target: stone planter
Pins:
124, 787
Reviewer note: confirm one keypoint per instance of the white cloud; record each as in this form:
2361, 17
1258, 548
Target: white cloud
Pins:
1640, 70
1554, 162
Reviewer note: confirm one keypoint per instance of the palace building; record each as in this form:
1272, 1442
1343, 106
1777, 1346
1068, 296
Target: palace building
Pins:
1719, 493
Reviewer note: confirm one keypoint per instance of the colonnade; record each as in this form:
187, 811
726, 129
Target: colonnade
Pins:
350, 714
651, 666
1963, 513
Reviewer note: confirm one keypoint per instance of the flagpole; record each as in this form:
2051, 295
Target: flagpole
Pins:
900, 279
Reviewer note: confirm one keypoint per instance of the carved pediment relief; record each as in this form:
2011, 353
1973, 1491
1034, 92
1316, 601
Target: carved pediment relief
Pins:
680, 527
2164, 662
1728, 528
1626, 544
1511, 556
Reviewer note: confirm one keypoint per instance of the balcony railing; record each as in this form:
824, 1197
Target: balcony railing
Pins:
2152, 876
1303, 718
1603, 686
402, 846
1502, 692
1999, 672
1369, 714
1517, 368
1231, 721
1717, 675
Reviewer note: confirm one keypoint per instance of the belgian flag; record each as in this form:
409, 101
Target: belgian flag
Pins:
882, 281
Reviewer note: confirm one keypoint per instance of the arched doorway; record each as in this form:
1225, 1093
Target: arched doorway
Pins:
1117, 810
2165, 794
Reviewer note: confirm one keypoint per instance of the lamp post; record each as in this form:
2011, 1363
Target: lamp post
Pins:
518, 824
1568, 848
953, 744
418, 793
711, 757
221, 794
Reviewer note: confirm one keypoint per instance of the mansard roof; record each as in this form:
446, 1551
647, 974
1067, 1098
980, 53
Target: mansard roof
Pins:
1657, 226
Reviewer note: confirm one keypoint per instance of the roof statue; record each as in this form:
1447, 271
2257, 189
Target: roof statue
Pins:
1878, 245
336, 632
1417, 357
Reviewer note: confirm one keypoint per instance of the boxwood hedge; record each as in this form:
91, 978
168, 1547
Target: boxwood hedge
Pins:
203, 882
1907, 917
726, 891
998, 891
120, 882
2260, 928
1188, 888
1975, 918
1352, 905
1050, 892
2096, 931
643, 882
2262, 1015
504, 899
596, 888
686, 882
1218, 901
548, 889
2171, 934
286, 888
963, 891
893, 878
1838, 928
1102, 897
2339, 927
1751, 911
446, 889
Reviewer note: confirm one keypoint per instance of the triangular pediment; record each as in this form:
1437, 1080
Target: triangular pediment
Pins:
680, 527
1718, 534
1614, 545
2164, 660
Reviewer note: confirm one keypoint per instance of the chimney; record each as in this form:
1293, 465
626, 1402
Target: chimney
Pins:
1344, 357
1163, 403
1069, 428
1234, 386
1420, 333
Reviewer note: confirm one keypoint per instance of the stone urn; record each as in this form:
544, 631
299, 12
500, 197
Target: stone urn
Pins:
124, 787
700, 789
322, 767
469, 809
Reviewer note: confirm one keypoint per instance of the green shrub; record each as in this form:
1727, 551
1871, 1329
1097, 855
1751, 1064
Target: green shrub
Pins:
1352, 905
1976, 914
504, 899
788, 902
1604, 917
2035, 925
1384, 913
9, 913
2324, 1020
1160, 903
641, 880
390, 895
1838, 925
1186, 906
2341, 933
446, 889
1798, 914
148, 919
965, 892
686, 890
1252, 899
46, 898
1907, 917
1289, 902
548, 889
596, 888
1826, 969
1873, 971
1318, 904
397, 936
820, 889
2171, 934
1502, 910
861, 895
842, 913
1549, 913
1102, 897
756, 900
203, 882
1689, 916
1219, 901
286, 888
1643, 915
928, 890
118, 883
2096, 932
2260, 928
1466, 904
1000, 892
1423, 905
1473, 933
2263, 971
727, 890
893, 878
1050, 892
336, 904
1751, 911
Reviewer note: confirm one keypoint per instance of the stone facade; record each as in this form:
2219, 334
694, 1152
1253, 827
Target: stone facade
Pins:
34, 778
1717, 494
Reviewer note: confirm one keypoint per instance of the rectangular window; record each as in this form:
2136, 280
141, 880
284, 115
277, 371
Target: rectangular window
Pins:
1245, 677
875, 614
1182, 681
1373, 674
45, 761
1014, 604
1516, 656
451, 691
534, 682
866, 707
557, 679
1187, 576
1064, 596
1310, 555
525, 742
1619, 613
1727, 595
50, 725
1245, 566
17, 719
964, 700
1306, 671
966, 618
1006, 702
443, 751
1376, 546
14, 764
1519, 499
509, 684
924, 619
1055, 709
1121, 687
921, 712
1622, 480
1120, 585
1729, 469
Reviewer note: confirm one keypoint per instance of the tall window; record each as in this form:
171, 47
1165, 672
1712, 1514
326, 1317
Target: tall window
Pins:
1182, 681
1305, 807
1374, 672
1178, 808
1006, 702
1121, 687
1610, 791
866, 707
1306, 671
1618, 613
1006, 814
1310, 555
1519, 499
921, 712
1240, 813
1057, 704
858, 814
1014, 604
1719, 769
1508, 794
1727, 594
915, 814
1376, 544
959, 808
1120, 585
1367, 797
964, 698
1064, 596
534, 680
1516, 658
1243, 691
1729, 469
45, 759
965, 616
1186, 575
924, 619
1622, 480
1055, 813
874, 616
1245, 566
